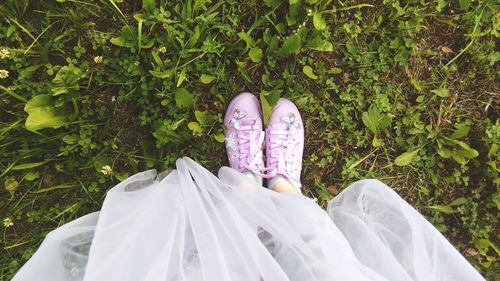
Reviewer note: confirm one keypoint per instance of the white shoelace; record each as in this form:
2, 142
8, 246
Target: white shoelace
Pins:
282, 162
249, 151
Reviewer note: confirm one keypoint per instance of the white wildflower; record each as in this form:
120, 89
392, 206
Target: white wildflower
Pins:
7, 222
4, 73
471, 252
4, 53
106, 170
162, 50
98, 59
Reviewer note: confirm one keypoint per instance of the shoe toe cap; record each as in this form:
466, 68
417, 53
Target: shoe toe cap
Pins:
283, 108
246, 102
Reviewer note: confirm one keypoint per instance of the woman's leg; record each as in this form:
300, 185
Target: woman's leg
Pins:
285, 187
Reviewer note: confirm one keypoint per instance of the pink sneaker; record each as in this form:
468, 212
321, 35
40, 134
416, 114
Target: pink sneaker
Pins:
285, 142
244, 136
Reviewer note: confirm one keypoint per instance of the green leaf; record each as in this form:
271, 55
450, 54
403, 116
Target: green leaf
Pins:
32, 175
118, 41
195, 128
121, 176
376, 142
466, 150
406, 158
458, 157
369, 121
318, 21
309, 72
294, 10
494, 57
28, 165
219, 137
443, 209
469, 153
459, 201
181, 78
272, 97
334, 70
266, 108
148, 5
245, 37
195, 37
443, 152
38, 101
140, 38
163, 74
59, 186
183, 98
11, 186
71, 139
375, 120
442, 92
66, 80
461, 131
44, 117
355, 164
157, 58
255, 54
207, 79
320, 45
204, 118
267, 101
464, 4
291, 45
493, 150
42, 114
166, 134
127, 38
483, 244
441, 4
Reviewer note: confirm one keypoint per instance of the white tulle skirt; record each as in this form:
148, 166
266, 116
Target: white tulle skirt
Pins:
191, 225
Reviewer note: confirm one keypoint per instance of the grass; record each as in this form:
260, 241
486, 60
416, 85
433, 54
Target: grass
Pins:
402, 91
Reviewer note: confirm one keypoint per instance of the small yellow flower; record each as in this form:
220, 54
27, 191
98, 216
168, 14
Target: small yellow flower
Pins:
106, 170
137, 63
7, 222
162, 50
98, 59
4, 73
4, 53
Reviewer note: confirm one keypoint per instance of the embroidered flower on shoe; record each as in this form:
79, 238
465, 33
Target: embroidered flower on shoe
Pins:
291, 122
74, 272
237, 116
231, 141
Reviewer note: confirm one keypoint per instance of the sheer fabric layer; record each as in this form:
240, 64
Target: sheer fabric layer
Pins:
192, 225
